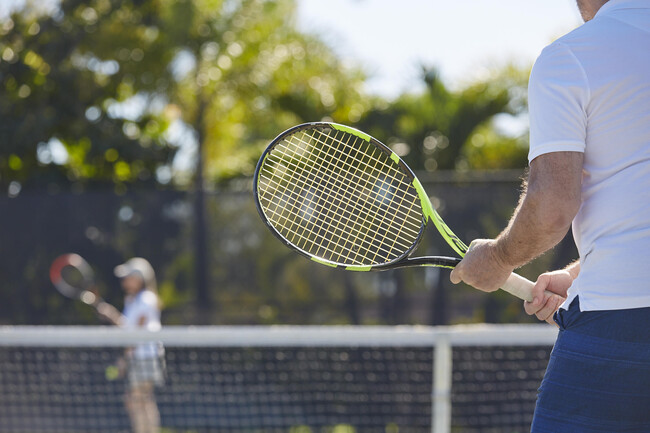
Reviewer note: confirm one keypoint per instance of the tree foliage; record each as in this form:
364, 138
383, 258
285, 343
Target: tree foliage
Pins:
442, 129
249, 74
65, 76
104, 79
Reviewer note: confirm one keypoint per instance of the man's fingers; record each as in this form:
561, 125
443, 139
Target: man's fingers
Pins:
532, 307
548, 294
545, 308
551, 305
550, 320
454, 277
540, 288
545, 313
456, 274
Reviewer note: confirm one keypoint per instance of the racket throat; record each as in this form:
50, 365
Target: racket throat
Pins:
438, 261
430, 214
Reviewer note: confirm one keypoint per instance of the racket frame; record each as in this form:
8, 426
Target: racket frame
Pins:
429, 214
84, 293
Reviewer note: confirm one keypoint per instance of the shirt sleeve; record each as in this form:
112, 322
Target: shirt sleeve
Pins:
558, 93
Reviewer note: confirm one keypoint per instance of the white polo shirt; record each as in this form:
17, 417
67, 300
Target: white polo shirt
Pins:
589, 92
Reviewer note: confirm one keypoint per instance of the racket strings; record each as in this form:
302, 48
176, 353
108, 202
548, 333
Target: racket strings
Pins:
298, 233
73, 276
359, 208
290, 220
329, 183
357, 179
390, 174
358, 191
320, 244
335, 198
71, 280
340, 198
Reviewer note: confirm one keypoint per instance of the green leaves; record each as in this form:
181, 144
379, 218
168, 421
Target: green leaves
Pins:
434, 129
65, 74
106, 78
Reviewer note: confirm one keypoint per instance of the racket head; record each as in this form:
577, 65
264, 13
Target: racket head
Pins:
73, 277
339, 197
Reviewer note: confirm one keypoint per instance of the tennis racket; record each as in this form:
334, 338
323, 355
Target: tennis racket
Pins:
344, 199
73, 277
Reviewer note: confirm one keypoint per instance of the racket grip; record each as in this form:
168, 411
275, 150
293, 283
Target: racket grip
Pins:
519, 286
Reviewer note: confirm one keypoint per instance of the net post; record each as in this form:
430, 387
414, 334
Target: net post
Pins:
442, 372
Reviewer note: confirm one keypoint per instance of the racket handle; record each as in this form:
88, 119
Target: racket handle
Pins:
519, 286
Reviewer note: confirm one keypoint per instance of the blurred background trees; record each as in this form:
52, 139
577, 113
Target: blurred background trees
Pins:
152, 114
67, 74
111, 92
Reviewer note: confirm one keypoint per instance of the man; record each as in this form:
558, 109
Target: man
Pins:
589, 104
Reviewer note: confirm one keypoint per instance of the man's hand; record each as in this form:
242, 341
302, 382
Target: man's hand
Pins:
542, 218
549, 293
482, 267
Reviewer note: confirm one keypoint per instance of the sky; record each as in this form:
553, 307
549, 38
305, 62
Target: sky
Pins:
462, 38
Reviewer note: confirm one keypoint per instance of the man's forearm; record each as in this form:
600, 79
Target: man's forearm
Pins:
573, 269
532, 231
546, 209
543, 217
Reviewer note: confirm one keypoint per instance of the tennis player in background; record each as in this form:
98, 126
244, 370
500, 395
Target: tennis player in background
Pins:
143, 365
589, 104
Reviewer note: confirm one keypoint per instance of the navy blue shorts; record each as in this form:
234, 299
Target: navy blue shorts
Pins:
598, 377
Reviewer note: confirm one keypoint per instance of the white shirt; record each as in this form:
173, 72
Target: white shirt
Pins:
143, 305
589, 92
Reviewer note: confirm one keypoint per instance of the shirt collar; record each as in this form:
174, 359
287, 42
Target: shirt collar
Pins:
613, 5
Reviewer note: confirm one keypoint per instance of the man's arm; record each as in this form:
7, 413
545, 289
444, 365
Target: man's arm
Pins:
543, 217
573, 269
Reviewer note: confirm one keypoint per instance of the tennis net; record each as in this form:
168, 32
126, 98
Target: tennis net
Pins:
478, 378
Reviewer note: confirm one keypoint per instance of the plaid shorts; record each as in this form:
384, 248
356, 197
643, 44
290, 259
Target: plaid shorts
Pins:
146, 370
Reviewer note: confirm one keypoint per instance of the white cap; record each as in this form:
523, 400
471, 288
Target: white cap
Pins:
136, 265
